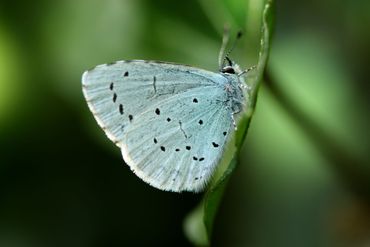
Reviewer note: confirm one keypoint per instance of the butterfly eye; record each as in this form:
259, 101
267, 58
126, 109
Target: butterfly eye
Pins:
228, 69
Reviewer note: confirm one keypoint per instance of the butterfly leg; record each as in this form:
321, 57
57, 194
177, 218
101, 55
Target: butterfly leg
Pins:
244, 87
233, 118
247, 70
234, 123
234, 109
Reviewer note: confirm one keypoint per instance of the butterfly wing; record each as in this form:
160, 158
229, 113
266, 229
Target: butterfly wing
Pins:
171, 121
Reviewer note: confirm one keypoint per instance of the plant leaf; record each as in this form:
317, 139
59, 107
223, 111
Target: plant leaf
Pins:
199, 223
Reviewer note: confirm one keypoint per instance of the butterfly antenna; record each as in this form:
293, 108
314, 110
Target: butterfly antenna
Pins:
225, 40
226, 56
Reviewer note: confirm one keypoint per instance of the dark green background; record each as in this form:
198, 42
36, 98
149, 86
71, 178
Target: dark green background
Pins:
63, 183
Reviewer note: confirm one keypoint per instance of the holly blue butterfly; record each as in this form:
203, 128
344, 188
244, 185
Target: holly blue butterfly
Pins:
171, 121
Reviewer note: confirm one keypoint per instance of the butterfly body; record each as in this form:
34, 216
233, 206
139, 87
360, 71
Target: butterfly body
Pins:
171, 121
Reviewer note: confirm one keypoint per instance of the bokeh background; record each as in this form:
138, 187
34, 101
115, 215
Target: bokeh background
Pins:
303, 179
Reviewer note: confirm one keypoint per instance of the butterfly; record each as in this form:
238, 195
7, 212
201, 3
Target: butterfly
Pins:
171, 121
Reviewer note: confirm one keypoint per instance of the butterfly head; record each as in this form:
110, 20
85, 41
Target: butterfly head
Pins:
230, 67
226, 65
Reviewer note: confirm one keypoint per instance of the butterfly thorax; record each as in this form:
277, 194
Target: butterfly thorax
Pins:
234, 88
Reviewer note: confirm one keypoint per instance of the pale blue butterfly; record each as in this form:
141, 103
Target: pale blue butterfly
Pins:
172, 122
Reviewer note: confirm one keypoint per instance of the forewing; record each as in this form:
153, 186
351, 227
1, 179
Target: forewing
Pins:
171, 121
118, 91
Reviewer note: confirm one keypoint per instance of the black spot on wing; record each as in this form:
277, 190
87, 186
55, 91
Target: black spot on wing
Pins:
125, 74
121, 109
157, 111
130, 117
114, 97
188, 147
111, 86
163, 148
215, 144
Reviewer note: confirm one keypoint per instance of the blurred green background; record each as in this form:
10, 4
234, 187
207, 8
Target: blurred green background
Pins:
304, 176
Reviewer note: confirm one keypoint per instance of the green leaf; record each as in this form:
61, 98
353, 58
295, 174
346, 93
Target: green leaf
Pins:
199, 223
